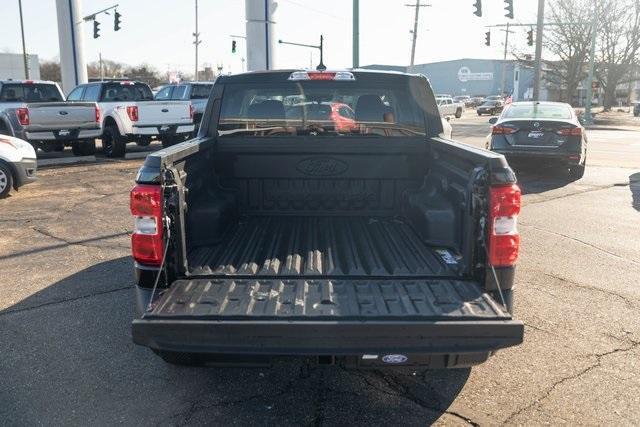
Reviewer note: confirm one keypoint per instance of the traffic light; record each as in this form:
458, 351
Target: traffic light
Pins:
233, 46
509, 8
478, 6
530, 37
116, 21
487, 37
96, 29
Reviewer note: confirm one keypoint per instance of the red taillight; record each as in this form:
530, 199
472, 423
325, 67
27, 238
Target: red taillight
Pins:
23, 116
97, 113
321, 76
146, 240
504, 239
132, 112
503, 130
191, 111
570, 131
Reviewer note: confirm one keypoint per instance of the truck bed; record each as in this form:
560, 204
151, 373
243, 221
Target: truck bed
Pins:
321, 246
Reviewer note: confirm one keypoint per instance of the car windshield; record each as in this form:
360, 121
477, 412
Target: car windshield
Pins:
126, 92
298, 108
538, 111
490, 104
36, 92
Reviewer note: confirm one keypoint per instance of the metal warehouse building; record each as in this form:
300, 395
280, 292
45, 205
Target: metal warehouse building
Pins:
474, 77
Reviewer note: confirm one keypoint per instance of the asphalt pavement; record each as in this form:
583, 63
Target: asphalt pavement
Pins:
66, 303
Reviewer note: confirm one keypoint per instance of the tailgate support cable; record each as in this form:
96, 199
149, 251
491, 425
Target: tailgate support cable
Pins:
167, 221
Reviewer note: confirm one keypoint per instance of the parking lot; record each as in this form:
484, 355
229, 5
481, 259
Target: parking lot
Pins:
66, 304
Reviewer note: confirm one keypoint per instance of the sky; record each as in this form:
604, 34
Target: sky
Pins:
159, 32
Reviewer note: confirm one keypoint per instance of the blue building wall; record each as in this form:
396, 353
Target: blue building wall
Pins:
474, 77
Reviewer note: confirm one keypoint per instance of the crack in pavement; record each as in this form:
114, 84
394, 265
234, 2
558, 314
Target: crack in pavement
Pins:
403, 392
627, 300
580, 241
597, 364
83, 243
61, 301
200, 405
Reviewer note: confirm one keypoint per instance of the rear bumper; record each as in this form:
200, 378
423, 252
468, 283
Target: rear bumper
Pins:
298, 338
569, 158
55, 135
155, 130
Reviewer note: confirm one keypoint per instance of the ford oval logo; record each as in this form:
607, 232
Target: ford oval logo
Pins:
395, 358
164, 110
63, 113
322, 166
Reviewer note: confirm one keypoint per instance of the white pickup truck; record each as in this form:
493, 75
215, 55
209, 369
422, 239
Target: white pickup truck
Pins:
448, 107
37, 112
130, 114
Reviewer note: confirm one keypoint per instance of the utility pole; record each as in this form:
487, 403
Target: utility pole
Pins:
24, 48
506, 45
356, 33
196, 41
538, 58
101, 67
418, 5
588, 117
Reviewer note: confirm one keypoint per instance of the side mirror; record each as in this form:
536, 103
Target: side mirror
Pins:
493, 120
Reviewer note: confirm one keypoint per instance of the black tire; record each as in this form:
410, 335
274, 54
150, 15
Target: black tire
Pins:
6, 180
113, 144
577, 172
180, 358
84, 148
169, 140
143, 142
479, 113
458, 113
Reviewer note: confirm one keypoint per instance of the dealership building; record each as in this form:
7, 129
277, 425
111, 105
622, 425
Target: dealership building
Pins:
12, 66
474, 77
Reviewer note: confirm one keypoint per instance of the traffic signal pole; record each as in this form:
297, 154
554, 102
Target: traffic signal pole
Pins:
538, 56
356, 33
506, 46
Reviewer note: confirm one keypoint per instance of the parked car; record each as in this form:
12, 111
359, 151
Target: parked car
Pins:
36, 111
17, 164
477, 100
130, 114
377, 246
196, 92
448, 107
494, 98
636, 109
464, 99
535, 131
490, 107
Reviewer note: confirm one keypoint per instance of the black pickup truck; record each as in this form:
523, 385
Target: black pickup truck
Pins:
323, 215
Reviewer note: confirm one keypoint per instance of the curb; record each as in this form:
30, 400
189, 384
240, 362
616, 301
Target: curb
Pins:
66, 161
138, 155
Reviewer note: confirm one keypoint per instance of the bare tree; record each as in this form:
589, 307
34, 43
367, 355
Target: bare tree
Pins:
112, 69
50, 70
618, 45
569, 44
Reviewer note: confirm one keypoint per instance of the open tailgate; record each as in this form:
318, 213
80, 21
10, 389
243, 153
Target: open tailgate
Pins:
333, 317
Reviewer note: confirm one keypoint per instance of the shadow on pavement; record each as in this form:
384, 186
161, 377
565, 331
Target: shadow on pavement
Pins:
67, 358
634, 185
538, 178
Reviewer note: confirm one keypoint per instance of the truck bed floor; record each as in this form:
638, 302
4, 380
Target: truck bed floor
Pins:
320, 246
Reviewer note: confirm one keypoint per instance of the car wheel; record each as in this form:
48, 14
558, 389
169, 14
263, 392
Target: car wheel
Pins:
168, 141
112, 143
458, 113
577, 172
6, 180
143, 142
479, 113
84, 148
